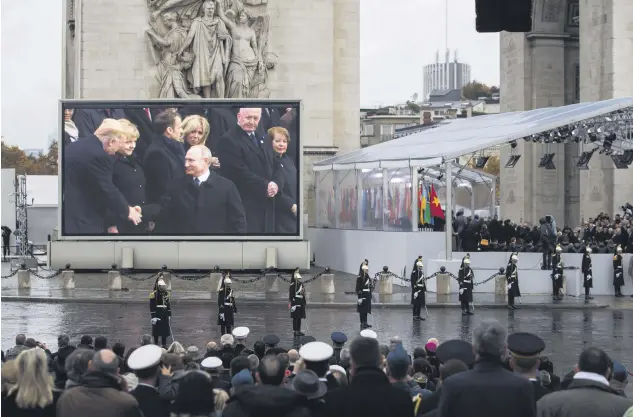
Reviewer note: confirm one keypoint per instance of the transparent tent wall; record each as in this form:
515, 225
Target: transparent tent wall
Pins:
398, 213
325, 199
371, 199
348, 199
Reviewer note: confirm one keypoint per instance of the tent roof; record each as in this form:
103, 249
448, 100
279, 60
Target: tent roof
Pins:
462, 136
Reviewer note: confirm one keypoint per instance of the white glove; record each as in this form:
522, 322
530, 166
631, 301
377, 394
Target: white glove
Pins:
360, 301
155, 320
589, 277
557, 276
416, 294
222, 316
461, 291
509, 286
619, 274
293, 308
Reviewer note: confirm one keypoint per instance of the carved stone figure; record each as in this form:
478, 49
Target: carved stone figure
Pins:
227, 43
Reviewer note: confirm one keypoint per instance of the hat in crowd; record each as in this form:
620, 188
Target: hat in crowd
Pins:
193, 352
316, 352
271, 340
619, 372
144, 357
338, 337
420, 378
369, 333
456, 349
211, 362
240, 333
398, 355
338, 368
226, 339
430, 347
525, 345
243, 377
307, 383
304, 340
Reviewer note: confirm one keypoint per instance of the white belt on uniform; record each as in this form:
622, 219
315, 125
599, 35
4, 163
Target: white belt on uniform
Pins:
228, 304
298, 296
161, 306
366, 289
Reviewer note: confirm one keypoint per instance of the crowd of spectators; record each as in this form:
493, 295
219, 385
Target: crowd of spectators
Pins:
488, 377
602, 233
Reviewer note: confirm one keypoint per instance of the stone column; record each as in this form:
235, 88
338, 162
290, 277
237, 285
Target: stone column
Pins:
114, 280
501, 285
215, 280
272, 283
68, 279
606, 71
327, 284
386, 284
443, 282
24, 279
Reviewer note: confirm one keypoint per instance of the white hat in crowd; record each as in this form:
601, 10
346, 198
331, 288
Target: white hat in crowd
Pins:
212, 362
369, 333
338, 368
240, 333
226, 339
144, 357
316, 352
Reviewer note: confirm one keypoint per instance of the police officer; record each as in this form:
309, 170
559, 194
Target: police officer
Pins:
297, 302
364, 288
418, 288
557, 273
512, 277
160, 311
587, 272
465, 278
338, 342
240, 334
316, 356
618, 272
525, 349
226, 305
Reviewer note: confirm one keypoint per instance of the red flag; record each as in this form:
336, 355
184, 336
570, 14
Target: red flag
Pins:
436, 208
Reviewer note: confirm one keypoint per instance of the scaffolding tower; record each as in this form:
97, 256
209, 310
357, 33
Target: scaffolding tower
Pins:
21, 235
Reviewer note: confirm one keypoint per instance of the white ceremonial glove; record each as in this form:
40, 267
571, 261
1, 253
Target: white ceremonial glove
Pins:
589, 277
293, 308
222, 316
360, 301
461, 291
509, 286
415, 295
557, 276
155, 320
619, 274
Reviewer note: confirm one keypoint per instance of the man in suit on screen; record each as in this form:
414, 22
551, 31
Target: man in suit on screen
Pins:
247, 161
200, 203
88, 191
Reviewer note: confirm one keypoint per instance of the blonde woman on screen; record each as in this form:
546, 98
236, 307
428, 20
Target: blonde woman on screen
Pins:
195, 131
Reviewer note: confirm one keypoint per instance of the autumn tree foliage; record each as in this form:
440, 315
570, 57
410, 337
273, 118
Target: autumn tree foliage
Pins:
14, 157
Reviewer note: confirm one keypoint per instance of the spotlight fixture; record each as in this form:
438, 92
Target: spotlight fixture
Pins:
513, 161
513, 144
481, 161
547, 161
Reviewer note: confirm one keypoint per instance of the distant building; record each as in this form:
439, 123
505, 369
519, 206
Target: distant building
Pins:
445, 75
377, 128
444, 105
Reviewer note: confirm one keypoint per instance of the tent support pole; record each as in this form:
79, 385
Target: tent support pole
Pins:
448, 215
415, 209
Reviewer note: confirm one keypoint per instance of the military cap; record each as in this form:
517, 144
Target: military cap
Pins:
369, 333
240, 333
456, 349
212, 362
338, 337
316, 352
525, 345
271, 340
338, 368
304, 340
144, 357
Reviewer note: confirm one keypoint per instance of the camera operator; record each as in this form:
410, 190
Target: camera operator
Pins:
548, 240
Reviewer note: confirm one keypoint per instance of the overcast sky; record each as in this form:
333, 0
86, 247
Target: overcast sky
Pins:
398, 37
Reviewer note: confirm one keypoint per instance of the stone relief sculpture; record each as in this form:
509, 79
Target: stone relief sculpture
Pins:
210, 48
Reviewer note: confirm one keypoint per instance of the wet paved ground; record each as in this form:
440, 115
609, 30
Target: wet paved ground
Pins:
565, 332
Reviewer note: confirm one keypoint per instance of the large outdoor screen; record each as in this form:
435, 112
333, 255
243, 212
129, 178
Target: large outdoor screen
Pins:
173, 170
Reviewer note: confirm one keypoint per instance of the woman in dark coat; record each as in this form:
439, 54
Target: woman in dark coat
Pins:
587, 272
226, 306
418, 288
618, 272
512, 276
364, 288
285, 175
297, 302
160, 310
465, 278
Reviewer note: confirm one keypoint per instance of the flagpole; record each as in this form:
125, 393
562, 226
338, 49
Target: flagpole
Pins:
448, 215
415, 200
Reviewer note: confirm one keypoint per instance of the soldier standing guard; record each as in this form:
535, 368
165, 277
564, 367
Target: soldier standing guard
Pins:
297, 302
160, 310
557, 273
226, 305
512, 276
465, 278
364, 289
418, 288
618, 272
587, 272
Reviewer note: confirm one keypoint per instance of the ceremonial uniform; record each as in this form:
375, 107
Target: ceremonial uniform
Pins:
557, 273
160, 311
525, 349
465, 278
240, 334
297, 300
618, 272
316, 356
146, 359
512, 277
364, 289
587, 272
418, 288
227, 307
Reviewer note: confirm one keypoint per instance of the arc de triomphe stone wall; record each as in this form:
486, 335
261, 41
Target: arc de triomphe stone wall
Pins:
577, 51
309, 50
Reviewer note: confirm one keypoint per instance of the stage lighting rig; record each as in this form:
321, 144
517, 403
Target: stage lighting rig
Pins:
547, 161
481, 161
583, 161
513, 161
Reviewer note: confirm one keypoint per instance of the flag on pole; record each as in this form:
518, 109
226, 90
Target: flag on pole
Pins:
436, 208
427, 206
421, 203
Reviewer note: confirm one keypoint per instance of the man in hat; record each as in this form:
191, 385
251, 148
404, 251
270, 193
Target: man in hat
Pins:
214, 367
618, 272
465, 278
398, 363
418, 288
271, 341
338, 342
308, 384
525, 349
587, 272
297, 302
227, 307
369, 334
240, 334
364, 288
316, 356
145, 363
557, 273
160, 310
512, 277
